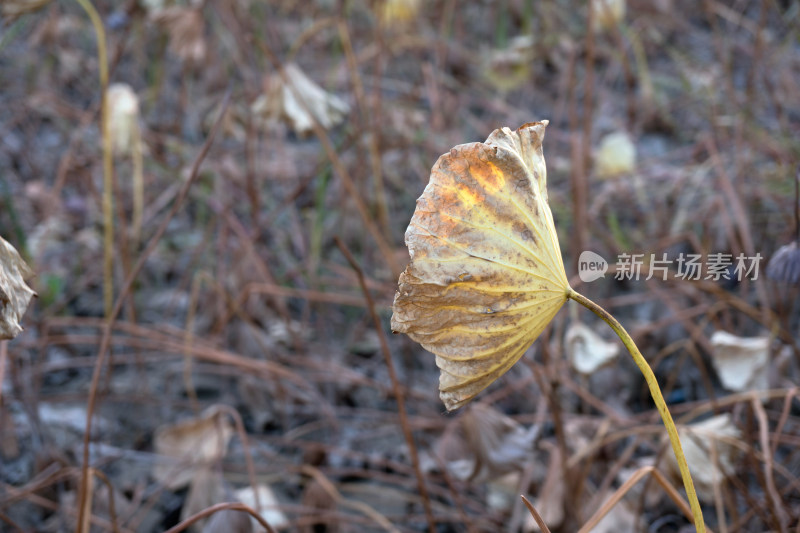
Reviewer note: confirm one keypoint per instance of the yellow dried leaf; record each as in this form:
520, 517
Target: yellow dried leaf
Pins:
509, 68
14, 292
486, 275
607, 14
399, 12
615, 156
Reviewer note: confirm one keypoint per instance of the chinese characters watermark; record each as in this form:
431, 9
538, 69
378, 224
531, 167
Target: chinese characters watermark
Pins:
715, 267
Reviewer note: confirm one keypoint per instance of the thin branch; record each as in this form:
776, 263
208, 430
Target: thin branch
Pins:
398, 389
536, 516
229, 506
105, 342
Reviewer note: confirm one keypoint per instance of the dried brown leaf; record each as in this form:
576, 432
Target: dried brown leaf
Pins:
486, 275
485, 444
583, 431
15, 295
298, 101
194, 443
186, 29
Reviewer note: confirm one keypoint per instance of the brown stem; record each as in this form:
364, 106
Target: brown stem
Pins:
396, 387
105, 342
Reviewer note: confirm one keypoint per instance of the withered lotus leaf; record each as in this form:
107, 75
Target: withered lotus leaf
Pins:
486, 275
15, 295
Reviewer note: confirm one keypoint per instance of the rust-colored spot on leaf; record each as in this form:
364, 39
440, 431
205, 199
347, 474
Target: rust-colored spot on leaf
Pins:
486, 275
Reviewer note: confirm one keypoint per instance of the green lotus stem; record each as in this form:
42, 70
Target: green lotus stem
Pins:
658, 398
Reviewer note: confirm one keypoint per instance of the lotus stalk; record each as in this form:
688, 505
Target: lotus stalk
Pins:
486, 275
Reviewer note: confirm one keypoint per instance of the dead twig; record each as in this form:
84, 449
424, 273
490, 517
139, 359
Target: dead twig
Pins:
536, 516
775, 502
396, 387
83, 492
615, 498
230, 506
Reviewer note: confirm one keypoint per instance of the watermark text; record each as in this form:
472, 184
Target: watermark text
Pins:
714, 267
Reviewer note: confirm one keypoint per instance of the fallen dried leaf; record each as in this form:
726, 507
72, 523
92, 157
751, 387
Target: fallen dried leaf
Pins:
502, 493
509, 68
588, 351
269, 506
398, 12
584, 431
740, 362
607, 14
186, 28
15, 295
485, 444
709, 467
194, 443
486, 275
299, 102
616, 155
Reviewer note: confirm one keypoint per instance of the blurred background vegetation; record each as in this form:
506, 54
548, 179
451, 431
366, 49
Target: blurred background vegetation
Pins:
674, 128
